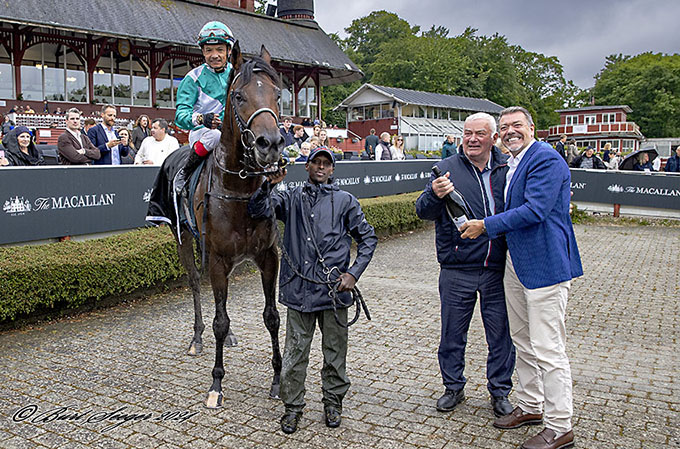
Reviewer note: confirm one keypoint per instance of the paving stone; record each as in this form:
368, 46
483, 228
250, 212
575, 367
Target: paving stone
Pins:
623, 325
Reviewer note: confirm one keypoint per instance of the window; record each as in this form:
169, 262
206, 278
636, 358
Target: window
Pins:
590, 119
628, 145
179, 70
102, 80
609, 117
164, 97
571, 120
386, 111
141, 84
356, 114
76, 78
586, 143
307, 100
6, 78
286, 106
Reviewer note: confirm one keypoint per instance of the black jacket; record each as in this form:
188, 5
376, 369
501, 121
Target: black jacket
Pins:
334, 215
597, 162
453, 251
16, 157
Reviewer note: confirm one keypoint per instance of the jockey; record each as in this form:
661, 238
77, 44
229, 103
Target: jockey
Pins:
202, 96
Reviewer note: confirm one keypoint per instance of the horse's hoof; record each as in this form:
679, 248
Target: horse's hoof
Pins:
274, 391
230, 340
195, 348
214, 399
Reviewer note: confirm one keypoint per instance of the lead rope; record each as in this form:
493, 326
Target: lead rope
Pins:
357, 297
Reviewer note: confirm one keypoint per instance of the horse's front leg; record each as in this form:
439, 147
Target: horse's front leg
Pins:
186, 257
219, 271
268, 263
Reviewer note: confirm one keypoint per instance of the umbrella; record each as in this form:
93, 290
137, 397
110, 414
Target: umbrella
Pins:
630, 160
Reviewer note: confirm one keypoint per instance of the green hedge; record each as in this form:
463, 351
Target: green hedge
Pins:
66, 275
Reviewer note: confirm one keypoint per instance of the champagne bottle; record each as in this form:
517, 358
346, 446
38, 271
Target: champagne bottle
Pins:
454, 202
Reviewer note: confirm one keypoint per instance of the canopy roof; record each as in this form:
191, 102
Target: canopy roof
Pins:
421, 98
299, 43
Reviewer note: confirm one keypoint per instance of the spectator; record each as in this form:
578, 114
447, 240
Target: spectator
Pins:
542, 260
449, 146
642, 163
88, 124
314, 142
606, 152
572, 152
141, 130
471, 267
74, 147
158, 146
614, 161
104, 137
559, 147
371, 144
306, 122
673, 162
305, 148
299, 135
20, 149
382, 151
58, 111
46, 107
29, 110
287, 132
588, 160
124, 133
315, 131
7, 125
317, 211
397, 148
3, 159
323, 138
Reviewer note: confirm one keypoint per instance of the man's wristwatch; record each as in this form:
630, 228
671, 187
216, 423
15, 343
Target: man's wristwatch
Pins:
483, 227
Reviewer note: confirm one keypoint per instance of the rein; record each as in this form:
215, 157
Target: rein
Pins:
246, 136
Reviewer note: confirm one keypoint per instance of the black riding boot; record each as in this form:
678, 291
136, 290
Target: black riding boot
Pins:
193, 161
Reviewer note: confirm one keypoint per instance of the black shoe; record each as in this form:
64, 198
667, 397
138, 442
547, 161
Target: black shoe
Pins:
193, 161
501, 406
333, 416
450, 400
289, 421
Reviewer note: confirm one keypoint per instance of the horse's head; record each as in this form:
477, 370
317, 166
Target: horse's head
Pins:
254, 95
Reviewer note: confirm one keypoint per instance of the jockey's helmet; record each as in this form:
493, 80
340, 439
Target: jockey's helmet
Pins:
215, 33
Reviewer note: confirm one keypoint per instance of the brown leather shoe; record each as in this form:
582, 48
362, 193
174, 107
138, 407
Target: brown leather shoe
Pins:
546, 440
518, 419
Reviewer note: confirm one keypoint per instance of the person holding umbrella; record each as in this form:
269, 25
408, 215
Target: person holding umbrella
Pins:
640, 160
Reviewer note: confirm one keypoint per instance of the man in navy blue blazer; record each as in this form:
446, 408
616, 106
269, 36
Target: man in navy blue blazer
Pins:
542, 260
107, 140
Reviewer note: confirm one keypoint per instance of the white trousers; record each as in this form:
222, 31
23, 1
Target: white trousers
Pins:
536, 318
210, 138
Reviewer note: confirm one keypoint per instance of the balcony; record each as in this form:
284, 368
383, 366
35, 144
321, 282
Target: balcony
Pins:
596, 128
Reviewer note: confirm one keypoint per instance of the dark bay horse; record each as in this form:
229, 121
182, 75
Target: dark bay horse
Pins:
250, 145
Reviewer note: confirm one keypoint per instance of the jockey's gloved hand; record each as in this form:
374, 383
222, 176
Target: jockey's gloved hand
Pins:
208, 121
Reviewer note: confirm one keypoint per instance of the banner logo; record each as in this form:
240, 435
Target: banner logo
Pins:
19, 206
15, 206
147, 196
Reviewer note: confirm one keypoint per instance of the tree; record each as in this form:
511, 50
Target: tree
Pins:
650, 84
368, 34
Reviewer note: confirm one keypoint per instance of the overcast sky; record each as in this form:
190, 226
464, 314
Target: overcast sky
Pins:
581, 33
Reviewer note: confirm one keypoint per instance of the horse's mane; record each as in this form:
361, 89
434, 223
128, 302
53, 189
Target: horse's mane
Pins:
259, 64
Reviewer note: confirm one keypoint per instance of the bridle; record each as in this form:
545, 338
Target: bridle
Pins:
249, 160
